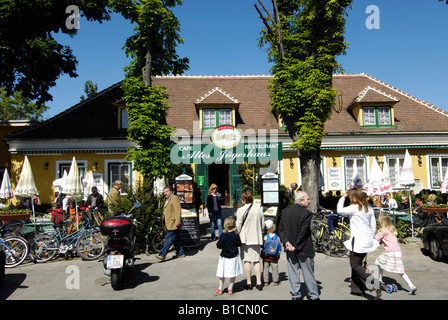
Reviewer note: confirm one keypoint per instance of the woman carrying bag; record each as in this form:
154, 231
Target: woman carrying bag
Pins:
250, 225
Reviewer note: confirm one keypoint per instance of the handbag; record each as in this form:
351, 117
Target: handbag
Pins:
245, 216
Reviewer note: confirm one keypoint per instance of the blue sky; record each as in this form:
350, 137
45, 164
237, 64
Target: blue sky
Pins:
408, 51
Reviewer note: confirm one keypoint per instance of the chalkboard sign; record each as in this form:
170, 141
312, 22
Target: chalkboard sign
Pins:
190, 231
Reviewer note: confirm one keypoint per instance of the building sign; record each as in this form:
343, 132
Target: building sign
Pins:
334, 178
226, 146
210, 153
226, 137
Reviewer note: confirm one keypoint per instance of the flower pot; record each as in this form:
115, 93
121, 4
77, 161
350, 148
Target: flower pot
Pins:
21, 216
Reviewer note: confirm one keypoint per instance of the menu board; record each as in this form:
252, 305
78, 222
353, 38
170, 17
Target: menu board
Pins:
190, 231
184, 190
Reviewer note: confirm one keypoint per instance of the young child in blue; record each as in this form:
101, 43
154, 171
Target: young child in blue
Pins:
271, 261
229, 264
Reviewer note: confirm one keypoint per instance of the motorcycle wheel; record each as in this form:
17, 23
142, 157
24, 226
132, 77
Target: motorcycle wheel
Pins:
115, 279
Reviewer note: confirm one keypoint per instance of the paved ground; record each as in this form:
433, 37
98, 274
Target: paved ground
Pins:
193, 278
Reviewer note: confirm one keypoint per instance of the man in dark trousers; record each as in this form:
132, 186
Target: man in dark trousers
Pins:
295, 233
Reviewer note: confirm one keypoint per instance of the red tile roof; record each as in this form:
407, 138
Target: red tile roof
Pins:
97, 116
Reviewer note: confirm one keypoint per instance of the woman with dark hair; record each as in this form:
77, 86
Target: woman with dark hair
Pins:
250, 225
361, 242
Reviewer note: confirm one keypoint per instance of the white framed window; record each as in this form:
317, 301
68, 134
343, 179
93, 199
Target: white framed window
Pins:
225, 117
377, 116
350, 161
438, 166
118, 170
209, 118
213, 118
64, 165
394, 163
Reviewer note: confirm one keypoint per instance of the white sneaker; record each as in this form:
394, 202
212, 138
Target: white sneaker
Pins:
412, 291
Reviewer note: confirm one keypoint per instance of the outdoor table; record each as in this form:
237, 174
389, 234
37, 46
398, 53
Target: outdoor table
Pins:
394, 215
38, 227
441, 212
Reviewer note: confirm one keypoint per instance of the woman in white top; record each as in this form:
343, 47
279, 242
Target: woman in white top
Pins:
390, 202
250, 229
363, 229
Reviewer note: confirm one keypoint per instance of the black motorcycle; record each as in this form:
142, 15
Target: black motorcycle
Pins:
120, 245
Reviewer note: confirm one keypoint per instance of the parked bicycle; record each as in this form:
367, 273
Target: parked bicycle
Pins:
156, 239
330, 243
85, 242
15, 248
95, 217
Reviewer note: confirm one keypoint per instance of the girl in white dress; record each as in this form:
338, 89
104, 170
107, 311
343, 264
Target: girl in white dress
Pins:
229, 264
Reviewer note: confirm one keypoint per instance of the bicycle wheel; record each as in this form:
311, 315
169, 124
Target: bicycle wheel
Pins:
158, 240
90, 246
44, 247
316, 235
335, 243
16, 249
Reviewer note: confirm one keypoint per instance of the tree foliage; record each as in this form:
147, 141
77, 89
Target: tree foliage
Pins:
31, 60
147, 107
304, 37
153, 51
18, 107
90, 89
157, 34
304, 43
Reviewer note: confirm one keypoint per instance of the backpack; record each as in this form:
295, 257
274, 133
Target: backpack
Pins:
272, 247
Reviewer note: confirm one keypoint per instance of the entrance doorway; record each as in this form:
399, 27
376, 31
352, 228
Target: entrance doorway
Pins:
219, 175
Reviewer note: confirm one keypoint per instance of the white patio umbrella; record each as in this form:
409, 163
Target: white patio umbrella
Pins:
356, 180
73, 186
89, 183
377, 184
444, 187
5, 189
26, 188
406, 179
60, 182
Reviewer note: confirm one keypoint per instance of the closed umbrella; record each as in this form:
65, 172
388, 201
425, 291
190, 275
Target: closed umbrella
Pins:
444, 187
72, 185
377, 184
406, 179
356, 180
5, 189
26, 188
60, 182
89, 183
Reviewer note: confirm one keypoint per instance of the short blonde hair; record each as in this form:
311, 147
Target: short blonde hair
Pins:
213, 186
432, 197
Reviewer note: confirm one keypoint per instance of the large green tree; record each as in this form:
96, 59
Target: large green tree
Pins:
304, 37
31, 60
18, 107
153, 51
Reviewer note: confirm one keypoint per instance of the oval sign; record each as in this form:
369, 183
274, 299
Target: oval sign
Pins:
226, 137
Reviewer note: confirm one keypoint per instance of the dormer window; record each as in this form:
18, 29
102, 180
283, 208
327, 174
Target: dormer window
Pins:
213, 118
373, 108
377, 116
216, 108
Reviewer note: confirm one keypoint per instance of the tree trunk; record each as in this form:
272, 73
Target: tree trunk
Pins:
148, 66
309, 168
